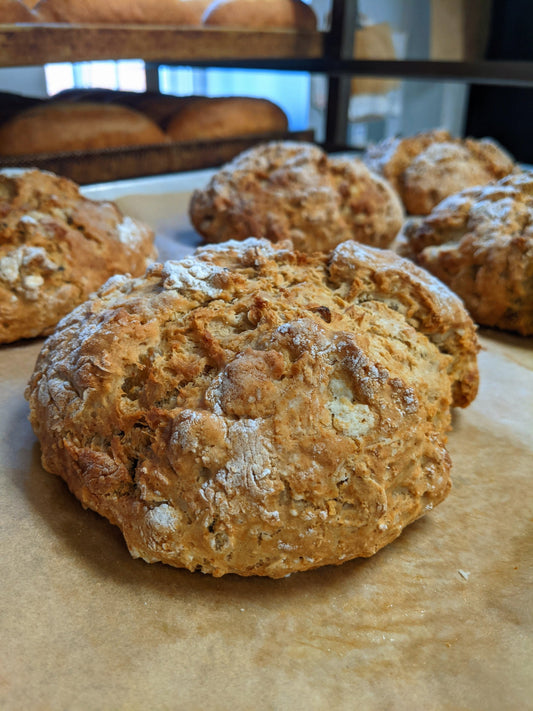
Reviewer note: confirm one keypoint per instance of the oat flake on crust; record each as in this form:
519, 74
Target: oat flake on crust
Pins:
255, 410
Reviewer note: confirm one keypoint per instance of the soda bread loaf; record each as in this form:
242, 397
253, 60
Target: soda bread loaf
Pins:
480, 243
56, 127
428, 167
223, 117
286, 190
256, 410
56, 247
155, 12
261, 15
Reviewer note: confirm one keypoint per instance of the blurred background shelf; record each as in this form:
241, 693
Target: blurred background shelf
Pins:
24, 45
374, 68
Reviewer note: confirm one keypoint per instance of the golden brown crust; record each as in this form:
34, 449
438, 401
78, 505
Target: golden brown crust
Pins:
266, 411
56, 247
58, 127
15, 11
287, 190
222, 117
156, 12
392, 156
260, 15
480, 243
428, 167
160, 107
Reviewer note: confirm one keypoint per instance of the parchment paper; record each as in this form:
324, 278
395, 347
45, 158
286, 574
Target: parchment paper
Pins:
440, 619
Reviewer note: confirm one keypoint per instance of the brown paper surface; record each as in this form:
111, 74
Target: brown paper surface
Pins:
440, 619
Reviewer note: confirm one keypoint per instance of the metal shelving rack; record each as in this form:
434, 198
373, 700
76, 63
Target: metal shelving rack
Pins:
329, 53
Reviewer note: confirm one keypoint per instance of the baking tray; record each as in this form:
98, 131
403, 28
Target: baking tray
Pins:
440, 620
112, 164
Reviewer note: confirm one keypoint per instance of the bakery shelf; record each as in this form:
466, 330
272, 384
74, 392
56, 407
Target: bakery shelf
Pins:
26, 45
329, 53
500, 73
112, 164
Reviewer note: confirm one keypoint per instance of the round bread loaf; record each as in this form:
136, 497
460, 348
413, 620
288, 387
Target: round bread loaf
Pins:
15, 11
287, 190
59, 127
156, 12
255, 410
426, 168
261, 15
158, 107
56, 247
480, 243
223, 117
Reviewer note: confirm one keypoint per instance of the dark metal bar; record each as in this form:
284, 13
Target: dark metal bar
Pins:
151, 70
339, 46
482, 72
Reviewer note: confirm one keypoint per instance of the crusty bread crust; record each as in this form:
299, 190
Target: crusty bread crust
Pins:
261, 15
156, 12
212, 118
480, 243
56, 247
288, 190
63, 126
255, 410
428, 167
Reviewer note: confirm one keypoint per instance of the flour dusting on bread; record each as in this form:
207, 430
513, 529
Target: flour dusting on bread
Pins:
256, 410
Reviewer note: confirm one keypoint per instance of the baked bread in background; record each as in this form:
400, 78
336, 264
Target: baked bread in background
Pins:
426, 168
286, 190
223, 117
160, 107
15, 11
156, 12
480, 243
56, 127
56, 247
96, 95
92, 119
255, 410
261, 15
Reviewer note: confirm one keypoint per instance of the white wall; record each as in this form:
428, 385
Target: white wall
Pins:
29, 81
